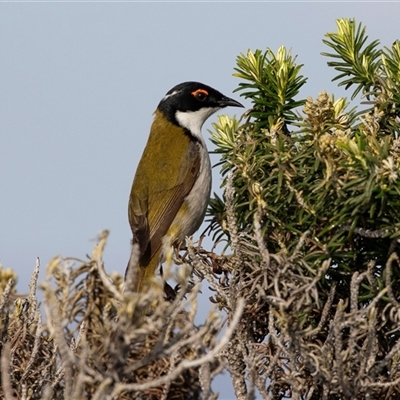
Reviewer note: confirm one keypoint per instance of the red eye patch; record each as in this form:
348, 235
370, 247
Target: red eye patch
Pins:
201, 92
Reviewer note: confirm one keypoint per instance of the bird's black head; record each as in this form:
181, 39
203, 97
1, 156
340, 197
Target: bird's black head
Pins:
189, 104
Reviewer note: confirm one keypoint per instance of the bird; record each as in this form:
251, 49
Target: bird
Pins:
172, 184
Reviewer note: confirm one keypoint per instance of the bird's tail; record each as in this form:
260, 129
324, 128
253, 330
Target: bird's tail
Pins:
140, 275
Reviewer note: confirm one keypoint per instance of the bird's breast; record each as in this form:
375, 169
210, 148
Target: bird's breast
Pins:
191, 214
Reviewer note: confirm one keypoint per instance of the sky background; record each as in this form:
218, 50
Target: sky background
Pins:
79, 83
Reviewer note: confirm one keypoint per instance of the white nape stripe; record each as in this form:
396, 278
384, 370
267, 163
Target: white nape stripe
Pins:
170, 95
194, 120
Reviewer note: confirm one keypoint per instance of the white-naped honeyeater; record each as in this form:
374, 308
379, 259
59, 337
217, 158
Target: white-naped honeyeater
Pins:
172, 184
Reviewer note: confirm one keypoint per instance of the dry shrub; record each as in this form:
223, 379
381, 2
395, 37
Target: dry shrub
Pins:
97, 343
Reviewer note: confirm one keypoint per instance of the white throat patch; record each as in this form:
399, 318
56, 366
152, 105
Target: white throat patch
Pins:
194, 120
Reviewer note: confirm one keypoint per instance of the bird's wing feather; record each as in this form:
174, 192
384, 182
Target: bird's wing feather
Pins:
152, 211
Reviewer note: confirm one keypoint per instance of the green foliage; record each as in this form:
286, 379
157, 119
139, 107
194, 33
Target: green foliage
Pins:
272, 82
335, 174
375, 71
358, 64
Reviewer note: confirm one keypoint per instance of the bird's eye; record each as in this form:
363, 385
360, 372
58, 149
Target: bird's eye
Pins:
200, 94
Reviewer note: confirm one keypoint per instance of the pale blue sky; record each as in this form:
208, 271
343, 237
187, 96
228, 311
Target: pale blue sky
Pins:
79, 83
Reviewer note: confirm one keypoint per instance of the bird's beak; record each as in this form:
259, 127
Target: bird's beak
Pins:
226, 101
